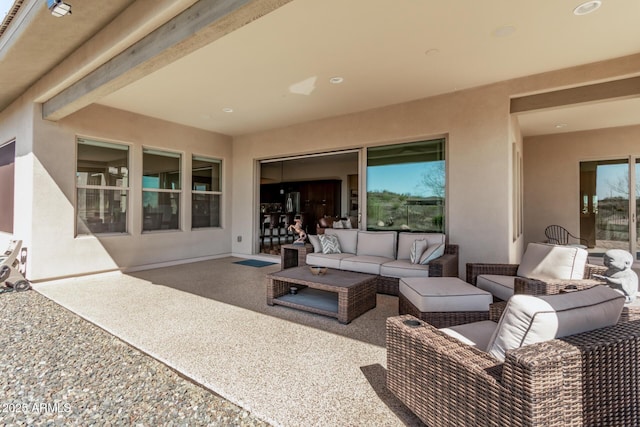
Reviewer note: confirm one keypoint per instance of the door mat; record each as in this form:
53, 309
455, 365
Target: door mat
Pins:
255, 263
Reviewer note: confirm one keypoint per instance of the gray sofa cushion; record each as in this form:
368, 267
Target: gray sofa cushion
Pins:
348, 238
326, 260
403, 268
364, 263
377, 243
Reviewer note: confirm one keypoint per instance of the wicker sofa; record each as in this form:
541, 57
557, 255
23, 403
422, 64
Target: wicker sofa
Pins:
385, 254
585, 379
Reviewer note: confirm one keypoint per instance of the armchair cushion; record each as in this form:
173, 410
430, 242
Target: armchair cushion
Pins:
545, 261
528, 319
475, 334
500, 286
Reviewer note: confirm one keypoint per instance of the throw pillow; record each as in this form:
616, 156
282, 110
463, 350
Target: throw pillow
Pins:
431, 253
330, 244
346, 223
338, 224
417, 249
315, 242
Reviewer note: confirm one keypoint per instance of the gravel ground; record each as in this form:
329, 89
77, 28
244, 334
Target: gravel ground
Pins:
58, 369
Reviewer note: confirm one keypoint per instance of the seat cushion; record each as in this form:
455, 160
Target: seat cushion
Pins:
499, 286
377, 243
403, 268
545, 261
326, 260
363, 263
475, 334
405, 240
529, 319
444, 294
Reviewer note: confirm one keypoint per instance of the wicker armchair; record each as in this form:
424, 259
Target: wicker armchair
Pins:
585, 379
523, 285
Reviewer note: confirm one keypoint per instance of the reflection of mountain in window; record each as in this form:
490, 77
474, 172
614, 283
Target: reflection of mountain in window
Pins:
406, 186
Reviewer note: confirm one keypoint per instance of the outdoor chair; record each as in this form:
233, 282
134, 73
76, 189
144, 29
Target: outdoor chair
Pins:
559, 235
578, 365
544, 269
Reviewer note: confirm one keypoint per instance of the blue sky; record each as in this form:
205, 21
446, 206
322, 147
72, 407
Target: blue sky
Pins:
405, 178
5, 5
611, 177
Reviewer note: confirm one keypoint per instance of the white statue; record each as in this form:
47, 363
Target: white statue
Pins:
619, 274
296, 227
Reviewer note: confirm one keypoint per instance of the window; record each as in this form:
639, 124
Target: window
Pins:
161, 190
7, 162
206, 192
406, 186
609, 203
102, 185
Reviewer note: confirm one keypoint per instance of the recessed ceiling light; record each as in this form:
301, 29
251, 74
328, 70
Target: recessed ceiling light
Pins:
587, 7
504, 31
227, 110
336, 80
561, 125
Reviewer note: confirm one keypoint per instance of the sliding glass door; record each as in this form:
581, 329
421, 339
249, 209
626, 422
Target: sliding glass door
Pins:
609, 197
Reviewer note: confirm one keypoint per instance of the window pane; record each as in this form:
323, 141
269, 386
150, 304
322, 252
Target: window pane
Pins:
7, 160
205, 174
161, 210
406, 187
161, 170
604, 205
107, 165
102, 211
102, 164
205, 210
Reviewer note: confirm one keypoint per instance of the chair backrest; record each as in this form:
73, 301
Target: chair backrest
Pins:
546, 261
529, 319
557, 234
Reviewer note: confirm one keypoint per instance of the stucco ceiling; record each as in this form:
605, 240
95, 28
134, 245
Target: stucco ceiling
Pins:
276, 71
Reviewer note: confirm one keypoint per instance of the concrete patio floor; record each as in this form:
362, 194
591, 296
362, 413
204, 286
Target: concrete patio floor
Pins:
210, 322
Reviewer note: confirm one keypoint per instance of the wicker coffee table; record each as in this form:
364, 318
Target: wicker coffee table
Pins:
344, 295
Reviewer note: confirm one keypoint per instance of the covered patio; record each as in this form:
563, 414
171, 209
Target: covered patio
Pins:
284, 366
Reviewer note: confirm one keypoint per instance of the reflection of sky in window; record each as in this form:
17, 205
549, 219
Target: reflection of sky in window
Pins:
405, 178
150, 182
612, 181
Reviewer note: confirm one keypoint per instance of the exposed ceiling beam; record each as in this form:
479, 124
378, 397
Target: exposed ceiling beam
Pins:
201, 24
618, 89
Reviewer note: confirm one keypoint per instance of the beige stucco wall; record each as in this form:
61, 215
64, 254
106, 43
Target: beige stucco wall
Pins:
54, 248
552, 173
476, 124
17, 124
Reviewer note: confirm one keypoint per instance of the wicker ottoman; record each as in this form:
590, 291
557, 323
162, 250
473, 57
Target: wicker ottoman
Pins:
443, 301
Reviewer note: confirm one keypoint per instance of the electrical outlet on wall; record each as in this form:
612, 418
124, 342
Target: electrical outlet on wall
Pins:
239, 238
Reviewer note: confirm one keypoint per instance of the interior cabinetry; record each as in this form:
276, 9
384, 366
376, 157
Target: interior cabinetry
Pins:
317, 198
